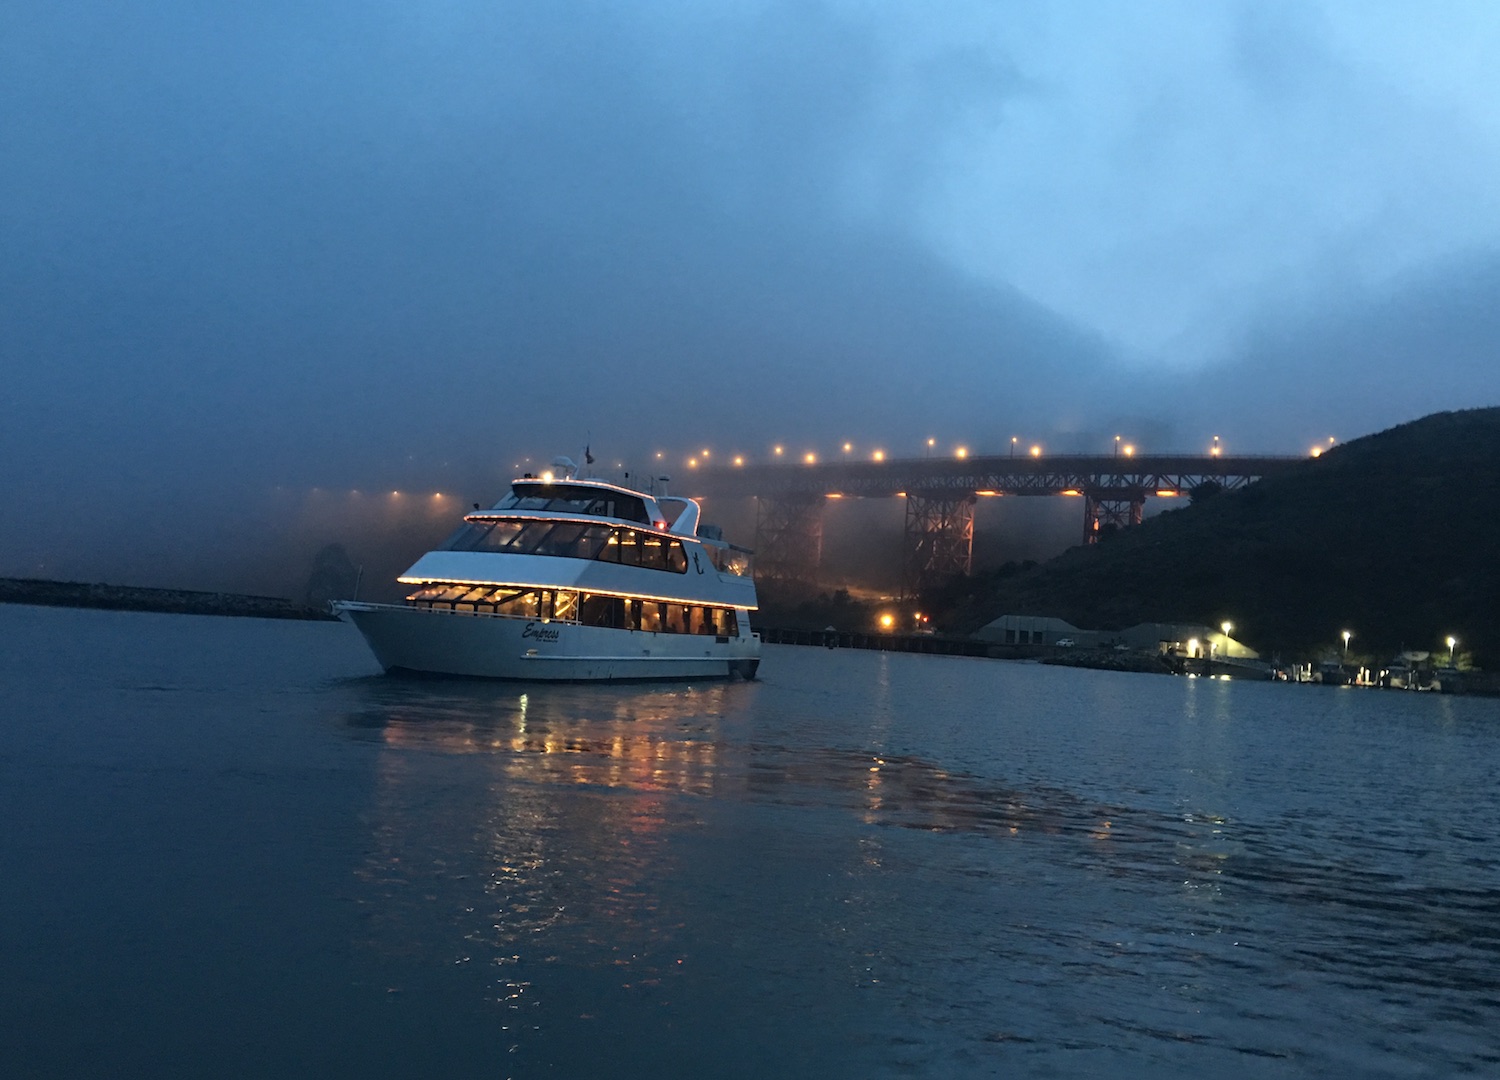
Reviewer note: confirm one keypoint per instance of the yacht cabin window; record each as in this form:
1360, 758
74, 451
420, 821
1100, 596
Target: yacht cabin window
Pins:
563, 498
572, 540
588, 609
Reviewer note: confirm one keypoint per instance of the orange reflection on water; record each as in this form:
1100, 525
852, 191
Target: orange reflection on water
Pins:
558, 829
642, 760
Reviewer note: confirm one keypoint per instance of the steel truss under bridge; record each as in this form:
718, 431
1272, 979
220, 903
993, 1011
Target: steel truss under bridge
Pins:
939, 538
940, 496
789, 537
1106, 509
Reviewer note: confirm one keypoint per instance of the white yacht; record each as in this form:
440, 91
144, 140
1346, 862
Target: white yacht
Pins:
572, 579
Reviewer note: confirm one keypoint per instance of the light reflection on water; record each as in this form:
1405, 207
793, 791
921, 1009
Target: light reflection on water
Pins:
862, 865
1037, 919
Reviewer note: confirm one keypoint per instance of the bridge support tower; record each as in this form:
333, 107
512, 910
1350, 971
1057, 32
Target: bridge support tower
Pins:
1106, 509
788, 538
939, 538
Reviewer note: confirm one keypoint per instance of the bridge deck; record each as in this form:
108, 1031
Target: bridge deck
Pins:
1052, 474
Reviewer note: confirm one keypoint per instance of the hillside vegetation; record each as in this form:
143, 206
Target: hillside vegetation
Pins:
1391, 536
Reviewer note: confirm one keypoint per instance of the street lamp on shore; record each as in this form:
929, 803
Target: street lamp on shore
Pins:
1452, 644
1226, 626
1347, 636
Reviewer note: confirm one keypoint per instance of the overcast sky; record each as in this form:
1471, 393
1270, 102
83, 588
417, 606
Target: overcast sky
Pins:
400, 243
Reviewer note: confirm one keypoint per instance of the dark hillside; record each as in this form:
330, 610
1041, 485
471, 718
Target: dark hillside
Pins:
1392, 536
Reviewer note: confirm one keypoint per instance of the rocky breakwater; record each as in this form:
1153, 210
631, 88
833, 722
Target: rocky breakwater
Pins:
131, 598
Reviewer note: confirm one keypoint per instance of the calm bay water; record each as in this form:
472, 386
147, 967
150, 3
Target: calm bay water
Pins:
230, 848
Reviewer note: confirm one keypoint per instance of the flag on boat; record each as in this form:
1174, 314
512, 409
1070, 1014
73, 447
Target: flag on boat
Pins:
588, 458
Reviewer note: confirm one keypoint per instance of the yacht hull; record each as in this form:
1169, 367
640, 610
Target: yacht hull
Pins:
442, 642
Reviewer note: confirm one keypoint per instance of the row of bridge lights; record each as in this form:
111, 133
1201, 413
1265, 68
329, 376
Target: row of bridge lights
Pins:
810, 457
704, 456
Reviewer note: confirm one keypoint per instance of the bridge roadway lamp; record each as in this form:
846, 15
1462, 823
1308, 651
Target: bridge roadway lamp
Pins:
1347, 636
1452, 644
1226, 627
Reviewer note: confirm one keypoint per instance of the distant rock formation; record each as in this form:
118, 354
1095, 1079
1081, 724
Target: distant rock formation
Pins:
334, 577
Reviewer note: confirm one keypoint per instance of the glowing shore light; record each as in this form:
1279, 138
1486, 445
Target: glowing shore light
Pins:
835, 495
848, 447
738, 461
961, 453
1167, 493
692, 463
777, 450
810, 458
887, 621
1129, 450
1072, 491
1036, 451
1317, 451
878, 455
988, 494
